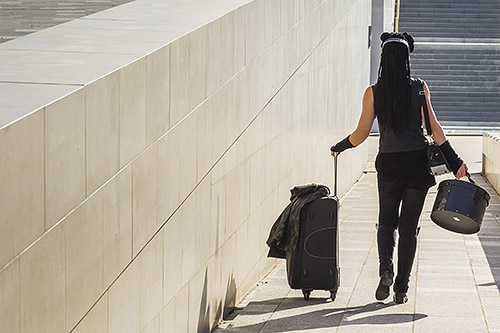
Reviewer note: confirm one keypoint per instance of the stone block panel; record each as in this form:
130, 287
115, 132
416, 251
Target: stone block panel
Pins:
64, 156
151, 263
158, 94
144, 198
43, 283
102, 126
117, 225
197, 67
22, 204
125, 301
179, 73
177, 165
84, 259
10, 297
133, 85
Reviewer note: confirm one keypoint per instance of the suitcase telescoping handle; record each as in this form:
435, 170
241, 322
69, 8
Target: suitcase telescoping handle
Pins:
335, 173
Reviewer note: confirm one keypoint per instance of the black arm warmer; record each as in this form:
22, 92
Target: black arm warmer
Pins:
342, 145
451, 156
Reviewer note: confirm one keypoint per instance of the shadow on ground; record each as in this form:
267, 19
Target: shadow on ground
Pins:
288, 318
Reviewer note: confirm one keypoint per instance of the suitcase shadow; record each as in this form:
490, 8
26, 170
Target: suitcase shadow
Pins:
291, 314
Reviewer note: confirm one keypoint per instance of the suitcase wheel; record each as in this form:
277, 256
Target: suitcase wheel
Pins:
333, 294
306, 293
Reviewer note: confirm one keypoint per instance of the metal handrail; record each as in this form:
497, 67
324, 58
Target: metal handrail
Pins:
396, 20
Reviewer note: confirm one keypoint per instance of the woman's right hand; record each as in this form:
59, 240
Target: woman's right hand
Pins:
462, 172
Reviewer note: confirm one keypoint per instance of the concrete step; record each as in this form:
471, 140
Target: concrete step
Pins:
450, 79
448, 2
478, 126
441, 51
452, 21
423, 36
451, 2
465, 84
469, 103
416, 6
424, 73
446, 30
477, 92
463, 35
468, 75
447, 55
418, 60
453, 66
463, 96
460, 81
447, 12
452, 30
473, 118
457, 48
467, 113
466, 107
458, 40
439, 93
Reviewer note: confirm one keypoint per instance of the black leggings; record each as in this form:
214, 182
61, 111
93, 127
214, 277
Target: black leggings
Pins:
405, 221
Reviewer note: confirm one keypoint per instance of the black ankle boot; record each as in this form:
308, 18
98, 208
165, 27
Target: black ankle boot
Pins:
400, 298
385, 282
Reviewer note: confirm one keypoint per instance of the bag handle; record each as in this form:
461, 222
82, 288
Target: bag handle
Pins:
470, 178
421, 93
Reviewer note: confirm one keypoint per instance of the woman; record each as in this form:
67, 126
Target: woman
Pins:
401, 164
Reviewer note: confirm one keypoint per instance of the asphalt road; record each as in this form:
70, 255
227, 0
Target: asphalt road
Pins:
22, 17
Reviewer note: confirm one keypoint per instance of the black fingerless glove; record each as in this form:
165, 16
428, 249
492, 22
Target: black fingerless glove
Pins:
451, 156
342, 145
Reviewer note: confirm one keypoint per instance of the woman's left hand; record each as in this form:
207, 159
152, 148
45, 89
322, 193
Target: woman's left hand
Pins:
462, 172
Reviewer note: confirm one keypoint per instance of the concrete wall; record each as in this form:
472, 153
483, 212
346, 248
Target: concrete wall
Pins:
138, 190
491, 159
383, 13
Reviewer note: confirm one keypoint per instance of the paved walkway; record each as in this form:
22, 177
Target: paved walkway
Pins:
454, 286
22, 17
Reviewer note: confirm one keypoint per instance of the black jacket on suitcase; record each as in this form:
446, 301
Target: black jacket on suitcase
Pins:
284, 235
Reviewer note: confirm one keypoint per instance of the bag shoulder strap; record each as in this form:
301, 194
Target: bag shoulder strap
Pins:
423, 102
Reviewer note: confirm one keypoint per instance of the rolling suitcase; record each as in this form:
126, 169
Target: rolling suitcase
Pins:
315, 264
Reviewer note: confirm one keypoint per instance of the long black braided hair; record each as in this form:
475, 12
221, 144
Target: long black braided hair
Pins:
392, 99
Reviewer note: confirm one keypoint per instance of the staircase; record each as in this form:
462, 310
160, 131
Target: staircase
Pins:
457, 52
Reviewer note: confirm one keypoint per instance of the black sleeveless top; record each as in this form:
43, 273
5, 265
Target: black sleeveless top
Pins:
410, 140
402, 158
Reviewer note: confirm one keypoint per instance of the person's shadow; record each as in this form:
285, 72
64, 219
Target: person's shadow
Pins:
287, 316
